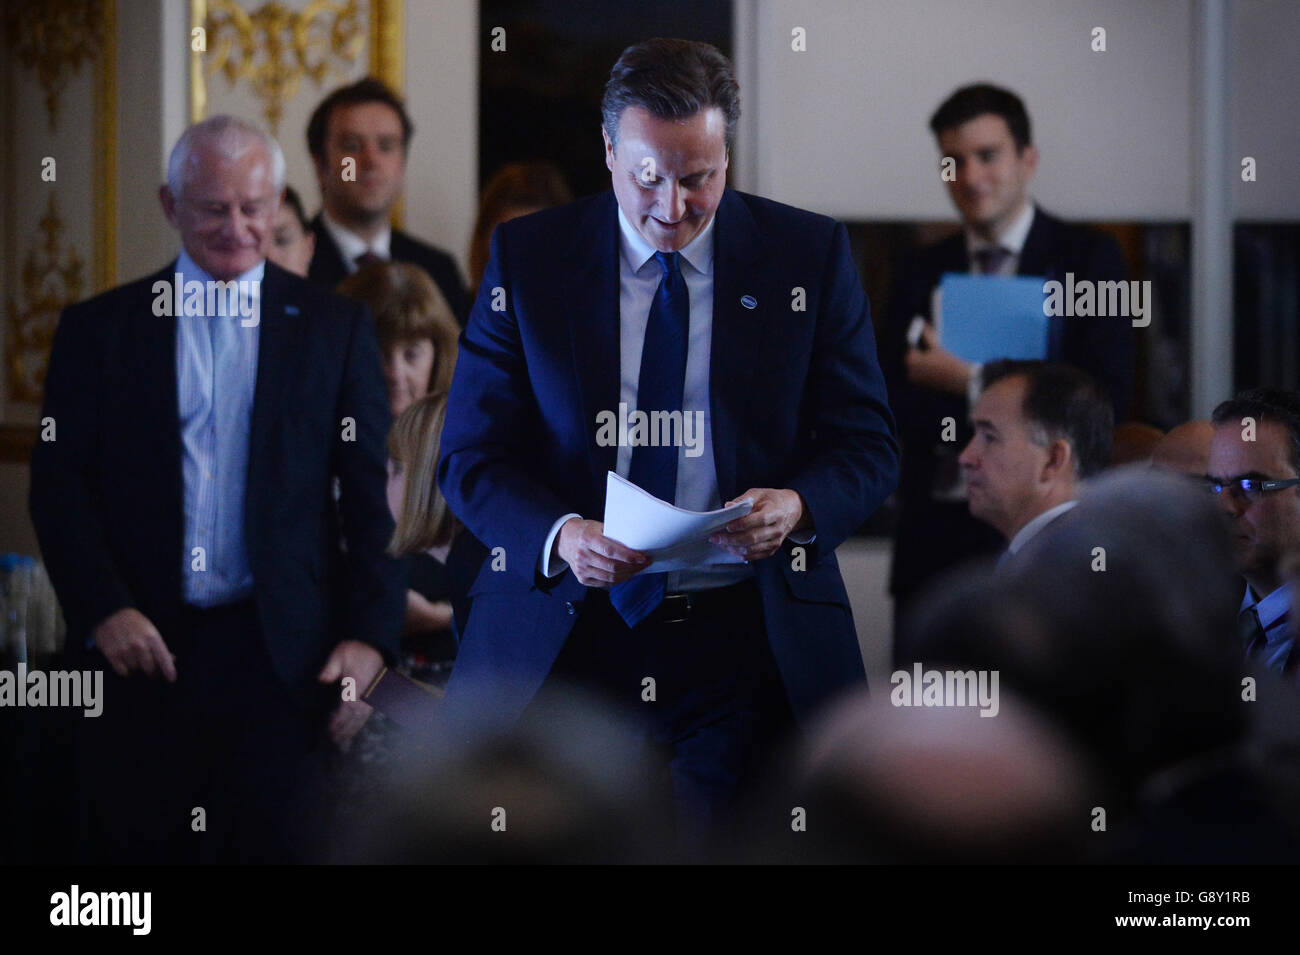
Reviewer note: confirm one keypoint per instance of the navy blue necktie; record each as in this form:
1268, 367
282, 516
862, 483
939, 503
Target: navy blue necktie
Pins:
659, 388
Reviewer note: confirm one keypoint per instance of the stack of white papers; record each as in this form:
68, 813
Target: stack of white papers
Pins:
675, 538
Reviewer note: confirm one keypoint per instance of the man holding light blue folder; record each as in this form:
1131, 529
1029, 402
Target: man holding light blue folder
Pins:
985, 132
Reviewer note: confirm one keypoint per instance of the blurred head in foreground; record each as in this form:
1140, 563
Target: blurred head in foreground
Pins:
565, 785
1118, 628
892, 784
1185, 449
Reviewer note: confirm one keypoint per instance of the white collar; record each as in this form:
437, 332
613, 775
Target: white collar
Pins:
352, 245
637, 251
190, 272
1012, 239
1272, 608
1037, 524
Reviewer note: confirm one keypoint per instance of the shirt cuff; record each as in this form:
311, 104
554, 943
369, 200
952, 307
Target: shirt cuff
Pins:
974, 384
803, 537
557, 567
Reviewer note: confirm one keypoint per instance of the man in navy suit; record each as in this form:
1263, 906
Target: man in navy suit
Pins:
985, 131
670, 294
367, 123
185, 513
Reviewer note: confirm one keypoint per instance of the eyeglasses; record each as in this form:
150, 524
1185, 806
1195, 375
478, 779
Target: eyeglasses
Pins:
1252, 489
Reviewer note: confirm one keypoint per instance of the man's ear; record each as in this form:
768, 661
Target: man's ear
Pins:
1060, 460
168, 202
609, 149
1030, 158
318, 163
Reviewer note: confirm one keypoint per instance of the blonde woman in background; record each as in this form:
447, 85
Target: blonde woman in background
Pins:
444, 556
417, 338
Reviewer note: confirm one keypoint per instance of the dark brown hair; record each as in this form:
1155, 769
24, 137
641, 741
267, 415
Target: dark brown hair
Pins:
513, 186
1266, 404
368, 90
407, 306
671, 79
1062, 402
979, 99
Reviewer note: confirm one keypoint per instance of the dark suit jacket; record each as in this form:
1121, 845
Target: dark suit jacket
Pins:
107, 495
328, 269
934, 535
796, 401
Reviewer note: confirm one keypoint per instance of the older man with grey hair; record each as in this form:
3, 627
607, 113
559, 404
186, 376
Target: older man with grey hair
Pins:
184, 510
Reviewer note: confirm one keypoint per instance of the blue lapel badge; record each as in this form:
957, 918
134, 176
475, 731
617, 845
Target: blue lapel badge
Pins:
749, 301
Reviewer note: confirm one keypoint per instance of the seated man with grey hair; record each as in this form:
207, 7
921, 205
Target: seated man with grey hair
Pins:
185, 514
1040, 429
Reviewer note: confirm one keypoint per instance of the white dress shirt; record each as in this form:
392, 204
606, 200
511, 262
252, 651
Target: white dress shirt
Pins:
697, 477
351, 245
1012, 239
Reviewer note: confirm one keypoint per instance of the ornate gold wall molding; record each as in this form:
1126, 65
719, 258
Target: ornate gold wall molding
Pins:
387, 50
53, 39
105, 207
51, 279
50, 42
271, 48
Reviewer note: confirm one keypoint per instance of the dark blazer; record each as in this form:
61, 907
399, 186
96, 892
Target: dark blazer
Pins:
107, 495
934, 535
796, 401
328, 269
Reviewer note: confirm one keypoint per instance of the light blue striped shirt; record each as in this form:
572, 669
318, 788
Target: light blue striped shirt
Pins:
1274, 611
216, 374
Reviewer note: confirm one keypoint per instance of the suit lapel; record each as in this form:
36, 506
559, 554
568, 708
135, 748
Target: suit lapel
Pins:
153, 352
281, 325
400, 248
327, 266
1036, 255
737, 331
592, 304
153, 341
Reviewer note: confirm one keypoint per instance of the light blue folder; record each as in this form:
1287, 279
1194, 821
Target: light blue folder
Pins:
986, 317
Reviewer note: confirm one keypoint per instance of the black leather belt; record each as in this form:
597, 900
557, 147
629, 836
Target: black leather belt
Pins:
219, 610
692, 604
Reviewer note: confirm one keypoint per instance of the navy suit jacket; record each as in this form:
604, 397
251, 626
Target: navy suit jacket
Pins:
797, 400
934, 535
107, 496
328, 269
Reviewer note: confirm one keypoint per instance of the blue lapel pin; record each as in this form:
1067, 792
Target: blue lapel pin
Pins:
749, 301
291, 310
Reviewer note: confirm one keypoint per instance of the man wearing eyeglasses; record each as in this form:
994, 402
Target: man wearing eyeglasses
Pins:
1255, 474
